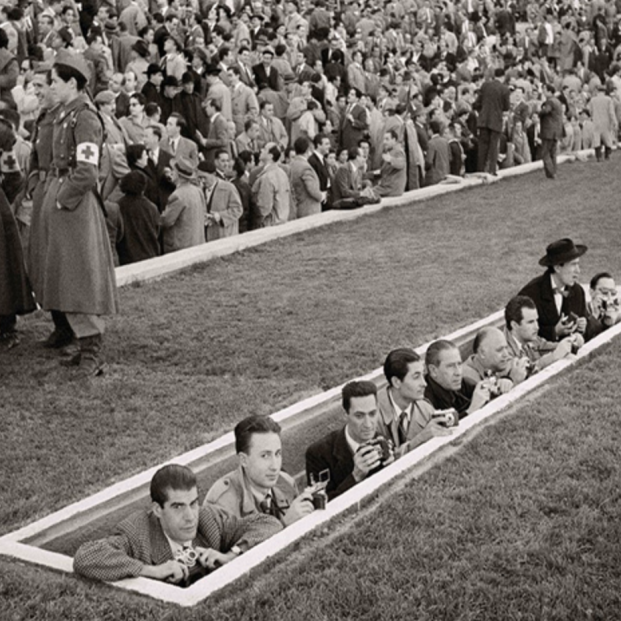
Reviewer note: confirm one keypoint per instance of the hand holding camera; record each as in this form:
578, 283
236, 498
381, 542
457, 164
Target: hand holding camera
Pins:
302, 505
366, 458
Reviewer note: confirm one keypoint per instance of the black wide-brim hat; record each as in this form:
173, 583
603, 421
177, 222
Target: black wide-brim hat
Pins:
562, 251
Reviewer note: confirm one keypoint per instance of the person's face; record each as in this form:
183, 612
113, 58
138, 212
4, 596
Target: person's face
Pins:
45, 27
169, 46
267, 58
253, 132
268, 111
62, 90
223, 163
233, 78
40, 87
389, 141
135, 108
188, 87
179, 515
494, 352
324, 146
362, 418
412, 386
172, 128
342, 156
527, 330
263, 461
102, 14
568, 273
605, 289
69, 17
245, 57
115, 83
157, 79
351, 97
448, 372
143, 160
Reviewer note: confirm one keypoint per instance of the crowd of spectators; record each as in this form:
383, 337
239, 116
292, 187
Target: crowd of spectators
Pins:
423, 398
239, 115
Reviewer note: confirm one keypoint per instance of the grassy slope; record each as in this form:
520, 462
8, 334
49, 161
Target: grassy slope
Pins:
262, 329
524, 522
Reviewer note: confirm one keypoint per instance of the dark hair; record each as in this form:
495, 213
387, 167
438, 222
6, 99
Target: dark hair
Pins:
432, 355
274, 152
393, 133
253, 424
179, 119
219, 152
7, 135
134, 152
301, 144
150, 109
140, 98
362, 388
318, 139
397, 361
513, 310
224, 52
215, 104
171, 478
65, 73
134, 183
352, 153
595, 280
248, 123
4, 38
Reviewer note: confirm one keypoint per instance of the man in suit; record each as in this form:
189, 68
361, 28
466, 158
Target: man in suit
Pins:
248, 139
551, 130
174, 536
493, 100
224, 207
345, 453
393, 174
305, 191
218, 134
406, 417
559, 298
317, 159
265, 75
159, 166
355, 121
259, 485
175, 143
244, 102
604, 118
446, 385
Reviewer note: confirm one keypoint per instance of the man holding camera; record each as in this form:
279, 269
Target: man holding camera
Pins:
559, 298
603, 309
355, 451
406, 417
259, 485
446, 385
174, 538
524, 342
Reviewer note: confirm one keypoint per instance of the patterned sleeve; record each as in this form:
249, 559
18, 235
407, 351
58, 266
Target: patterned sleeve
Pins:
107, 559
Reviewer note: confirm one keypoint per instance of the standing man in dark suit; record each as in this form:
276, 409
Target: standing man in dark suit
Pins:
493, 100
317, 160
159, 167
551, 130
558, 296
355, 121
344, 453
218, 135
265, 75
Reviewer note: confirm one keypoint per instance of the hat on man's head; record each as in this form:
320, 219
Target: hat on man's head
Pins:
110, 27
141, 48
75, 61
562, 251
268, 49
152, 69
170, 80
105, 97
212, 69
184, 167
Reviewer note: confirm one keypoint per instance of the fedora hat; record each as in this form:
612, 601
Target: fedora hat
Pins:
562, 251
184, 167
75, 61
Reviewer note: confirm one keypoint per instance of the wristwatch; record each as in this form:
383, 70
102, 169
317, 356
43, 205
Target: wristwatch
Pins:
236, 550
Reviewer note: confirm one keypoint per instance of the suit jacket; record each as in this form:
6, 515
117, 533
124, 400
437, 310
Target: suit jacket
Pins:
139, 540
319, 166
225, 201
442, 399
353, 131
539, 290
183, 220
551, 119
346, 185
233, 493
332, 453
493, 100
305, 191
165, 187
185, 148
265, 80
388, 426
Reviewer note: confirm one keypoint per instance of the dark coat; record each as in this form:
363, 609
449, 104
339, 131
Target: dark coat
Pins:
442, 399
164, 187
551, 119
492, 101
539, 290
265, 80
141, 223
319, 166
15, 293
351, 132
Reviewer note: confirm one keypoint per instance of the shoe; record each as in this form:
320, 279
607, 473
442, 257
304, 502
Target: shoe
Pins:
59, 338
88, 360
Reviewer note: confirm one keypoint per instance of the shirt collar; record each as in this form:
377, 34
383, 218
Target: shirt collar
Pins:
353, 445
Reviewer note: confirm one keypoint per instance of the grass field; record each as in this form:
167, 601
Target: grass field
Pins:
192, 354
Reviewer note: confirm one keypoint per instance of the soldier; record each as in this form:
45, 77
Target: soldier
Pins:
77, 278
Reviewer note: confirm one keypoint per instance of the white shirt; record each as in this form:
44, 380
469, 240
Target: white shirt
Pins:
353, 445
558, 296
398, 411
175, 547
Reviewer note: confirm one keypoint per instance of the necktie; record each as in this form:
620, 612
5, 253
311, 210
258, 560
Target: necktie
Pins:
269, 506
403, 427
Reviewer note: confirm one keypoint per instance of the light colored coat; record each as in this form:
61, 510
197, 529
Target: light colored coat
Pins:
305, 192
272, 195
244, 105
183, 220
226, 202
604, 119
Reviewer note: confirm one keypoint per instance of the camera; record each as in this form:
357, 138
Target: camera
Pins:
189, 558
320, 499
318, 493
446, 418
492, 383
381, 446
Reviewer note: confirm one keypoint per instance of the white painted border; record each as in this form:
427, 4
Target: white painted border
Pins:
159, 267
